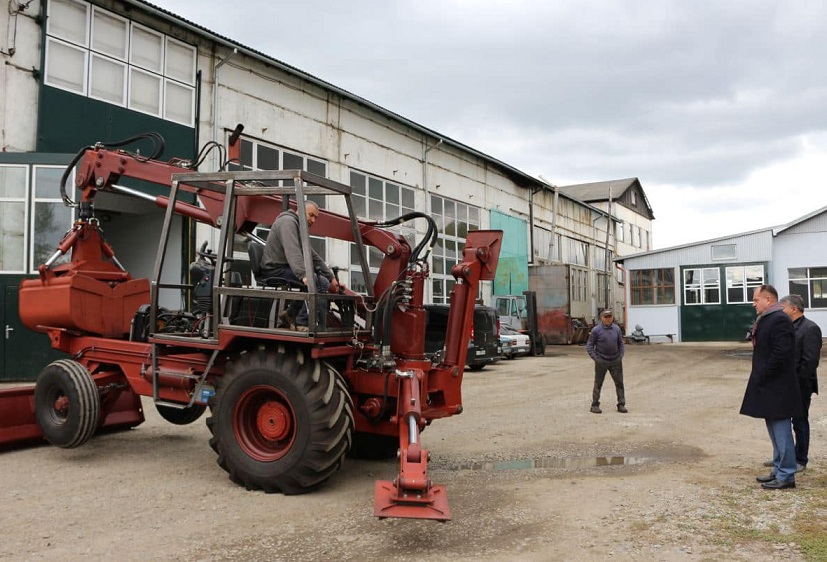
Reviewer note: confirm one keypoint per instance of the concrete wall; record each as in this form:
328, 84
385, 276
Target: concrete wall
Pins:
20, 55
800, 247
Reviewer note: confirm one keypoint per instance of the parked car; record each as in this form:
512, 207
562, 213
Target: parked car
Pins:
513, 343
484, 343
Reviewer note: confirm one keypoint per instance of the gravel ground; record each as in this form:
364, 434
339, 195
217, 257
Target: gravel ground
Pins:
531, 475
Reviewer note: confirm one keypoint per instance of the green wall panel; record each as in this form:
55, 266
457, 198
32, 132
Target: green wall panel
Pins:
67, 122
716, 322
512, 270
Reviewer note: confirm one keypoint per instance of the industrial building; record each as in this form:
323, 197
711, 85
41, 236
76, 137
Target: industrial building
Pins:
79, 72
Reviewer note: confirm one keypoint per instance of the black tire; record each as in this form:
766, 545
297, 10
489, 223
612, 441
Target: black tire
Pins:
372, 446
476, 366
66, 404
181, 416
281, 421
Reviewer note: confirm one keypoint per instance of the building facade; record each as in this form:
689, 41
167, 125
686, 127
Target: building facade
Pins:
79, 72
703, 291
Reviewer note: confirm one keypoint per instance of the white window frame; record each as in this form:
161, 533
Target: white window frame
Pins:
127, 34
51, 32
124, 70
48, 75
701, 286
34, 200
22, 199
747, 287
136, 69
191, 77
160, 70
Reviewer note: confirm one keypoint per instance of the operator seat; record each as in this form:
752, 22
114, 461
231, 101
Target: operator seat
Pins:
257, 311
255, 251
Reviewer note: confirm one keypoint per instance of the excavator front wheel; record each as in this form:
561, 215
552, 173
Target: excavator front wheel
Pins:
66, 403
281, 421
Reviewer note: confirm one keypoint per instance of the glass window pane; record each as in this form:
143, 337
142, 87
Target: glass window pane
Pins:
179, 103
107, 80
755, 274
65, 66
51, 221
436, 205
245, 153
180, 62
109, 34
147, 49
316, 167
47, 182
375, 210
818, 272
358, 182
144, 92
13, 181
801, 288
292, 162
474, 216
359, 205
266, 158
12, 230
392, 193
69, 20
375, 189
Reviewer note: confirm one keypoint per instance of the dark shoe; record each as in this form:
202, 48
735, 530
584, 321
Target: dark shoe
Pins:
286, 321
596, 410
769, 464
768, 478
778, 485
622, 409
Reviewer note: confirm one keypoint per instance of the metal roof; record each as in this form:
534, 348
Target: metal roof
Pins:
600, 191
779, 229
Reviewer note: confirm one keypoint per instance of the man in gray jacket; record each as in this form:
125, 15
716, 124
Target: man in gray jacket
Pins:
282, 257
605, 347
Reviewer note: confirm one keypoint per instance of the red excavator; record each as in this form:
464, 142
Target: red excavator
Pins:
285, 406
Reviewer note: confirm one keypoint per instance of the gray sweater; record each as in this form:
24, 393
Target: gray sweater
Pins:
284, 248
605, 343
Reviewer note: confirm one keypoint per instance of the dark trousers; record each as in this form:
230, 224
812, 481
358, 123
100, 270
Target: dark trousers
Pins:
615, 368
801, 430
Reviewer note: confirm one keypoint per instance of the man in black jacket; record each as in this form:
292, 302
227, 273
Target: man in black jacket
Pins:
772, 391
807, 354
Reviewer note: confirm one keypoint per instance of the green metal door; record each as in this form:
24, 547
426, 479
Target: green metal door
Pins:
23, 353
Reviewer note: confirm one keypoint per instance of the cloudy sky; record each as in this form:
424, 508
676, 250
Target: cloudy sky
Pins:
719, 107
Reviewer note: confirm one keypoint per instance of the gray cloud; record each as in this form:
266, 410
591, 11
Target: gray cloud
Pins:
694, 94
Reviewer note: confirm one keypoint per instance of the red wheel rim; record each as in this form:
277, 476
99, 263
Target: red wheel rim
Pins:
264, 423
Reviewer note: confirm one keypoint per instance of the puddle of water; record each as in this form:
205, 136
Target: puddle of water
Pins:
571, 462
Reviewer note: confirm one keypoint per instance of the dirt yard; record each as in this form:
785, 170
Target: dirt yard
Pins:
531, 475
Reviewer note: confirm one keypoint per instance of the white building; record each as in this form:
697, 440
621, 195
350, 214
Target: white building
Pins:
703, 291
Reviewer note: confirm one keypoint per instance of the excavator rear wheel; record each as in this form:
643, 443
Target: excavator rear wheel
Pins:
66, 403
281, 421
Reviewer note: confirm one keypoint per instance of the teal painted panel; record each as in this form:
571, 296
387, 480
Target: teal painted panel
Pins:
512, 269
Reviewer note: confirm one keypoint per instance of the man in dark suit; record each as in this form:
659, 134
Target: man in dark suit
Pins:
772, 391
807, 355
